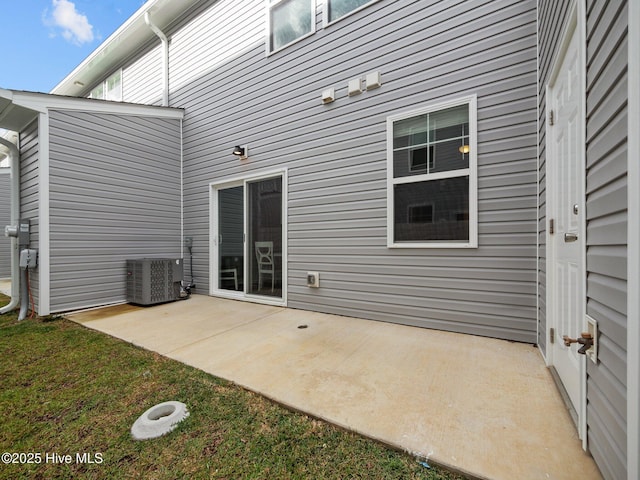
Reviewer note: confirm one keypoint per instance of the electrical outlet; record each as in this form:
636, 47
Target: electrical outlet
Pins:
313, 279
188, 242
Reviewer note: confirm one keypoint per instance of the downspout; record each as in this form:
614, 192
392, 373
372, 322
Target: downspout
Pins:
14, 162
165, 57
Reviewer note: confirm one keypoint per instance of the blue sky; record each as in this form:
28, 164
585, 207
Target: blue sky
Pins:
41, 41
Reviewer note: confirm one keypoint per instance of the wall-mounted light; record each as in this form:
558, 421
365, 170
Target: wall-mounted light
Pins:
241, 151
464, 149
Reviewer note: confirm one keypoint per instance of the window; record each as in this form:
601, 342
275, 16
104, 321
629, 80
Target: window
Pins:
432, 176
339, 8
290, 20
110, 89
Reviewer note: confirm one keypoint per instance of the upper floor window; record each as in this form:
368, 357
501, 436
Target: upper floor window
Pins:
110, 89
431, 191
290, 20
340, 8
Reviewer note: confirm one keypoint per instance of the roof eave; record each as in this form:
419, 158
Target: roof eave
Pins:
18, 109
120, 45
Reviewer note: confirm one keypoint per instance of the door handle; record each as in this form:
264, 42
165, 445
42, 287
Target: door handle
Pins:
570, 237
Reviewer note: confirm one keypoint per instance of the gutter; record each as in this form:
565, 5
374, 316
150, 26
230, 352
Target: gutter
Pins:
165, 57
14, 162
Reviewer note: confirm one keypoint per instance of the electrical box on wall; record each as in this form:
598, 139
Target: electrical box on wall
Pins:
28, 258
313, 279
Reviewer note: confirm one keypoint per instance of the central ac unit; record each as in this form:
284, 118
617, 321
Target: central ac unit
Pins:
154, 280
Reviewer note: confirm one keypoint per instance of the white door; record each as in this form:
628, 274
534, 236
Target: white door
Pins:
565, 174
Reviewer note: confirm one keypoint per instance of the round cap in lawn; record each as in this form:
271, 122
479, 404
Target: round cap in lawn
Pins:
159, 420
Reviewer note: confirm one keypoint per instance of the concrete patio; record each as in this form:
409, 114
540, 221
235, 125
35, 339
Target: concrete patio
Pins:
484, 407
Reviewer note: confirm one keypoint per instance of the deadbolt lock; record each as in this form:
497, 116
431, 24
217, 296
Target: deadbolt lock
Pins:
586, 340
570, 237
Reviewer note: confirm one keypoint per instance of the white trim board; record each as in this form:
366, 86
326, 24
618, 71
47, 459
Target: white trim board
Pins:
44, 238
633, 244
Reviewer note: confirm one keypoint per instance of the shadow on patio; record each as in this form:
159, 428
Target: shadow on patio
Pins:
487, 408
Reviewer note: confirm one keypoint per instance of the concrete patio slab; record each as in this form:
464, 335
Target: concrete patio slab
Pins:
485, 407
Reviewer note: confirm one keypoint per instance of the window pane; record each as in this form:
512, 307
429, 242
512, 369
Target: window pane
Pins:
231, 238
338, 8
114, 87
448, 156
290, 20
436, 210
265, 237
98, 92
431, 143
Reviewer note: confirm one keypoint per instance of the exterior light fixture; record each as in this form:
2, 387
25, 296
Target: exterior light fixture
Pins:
464, 149
241, 151
78, 83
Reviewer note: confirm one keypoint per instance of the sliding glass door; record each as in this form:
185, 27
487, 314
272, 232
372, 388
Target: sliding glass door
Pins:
264, 221
231, 238
249, 238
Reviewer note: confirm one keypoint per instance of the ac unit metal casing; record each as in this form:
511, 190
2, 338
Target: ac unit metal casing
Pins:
154, 280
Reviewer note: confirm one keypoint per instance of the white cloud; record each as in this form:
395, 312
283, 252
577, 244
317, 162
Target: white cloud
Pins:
75, 26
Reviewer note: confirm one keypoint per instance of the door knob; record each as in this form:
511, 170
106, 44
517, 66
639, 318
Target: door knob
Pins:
570, 237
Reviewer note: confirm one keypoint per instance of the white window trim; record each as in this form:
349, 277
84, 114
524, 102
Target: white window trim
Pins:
472, 171
325, 12
270, 5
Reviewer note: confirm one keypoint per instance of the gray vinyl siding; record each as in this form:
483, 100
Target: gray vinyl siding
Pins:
30, 191
606, 190
336, 157
552, 18
142, 79
114, 195
5, 219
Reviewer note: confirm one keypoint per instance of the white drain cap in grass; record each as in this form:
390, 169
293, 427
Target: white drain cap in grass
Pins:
159, 420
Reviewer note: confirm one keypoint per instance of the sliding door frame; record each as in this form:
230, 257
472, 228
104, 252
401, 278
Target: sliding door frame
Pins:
214, 257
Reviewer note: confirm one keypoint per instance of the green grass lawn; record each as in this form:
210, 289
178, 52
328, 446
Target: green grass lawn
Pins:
68, 390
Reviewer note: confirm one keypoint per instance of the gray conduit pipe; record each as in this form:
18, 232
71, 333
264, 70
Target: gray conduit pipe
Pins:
24, 295
14, 161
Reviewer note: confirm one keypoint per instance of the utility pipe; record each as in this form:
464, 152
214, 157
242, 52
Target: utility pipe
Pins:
14, 162
165, 57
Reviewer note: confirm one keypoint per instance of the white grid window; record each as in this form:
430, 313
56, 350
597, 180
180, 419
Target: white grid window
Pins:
432, 198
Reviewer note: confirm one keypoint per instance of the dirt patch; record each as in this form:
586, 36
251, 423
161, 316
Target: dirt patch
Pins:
104, 312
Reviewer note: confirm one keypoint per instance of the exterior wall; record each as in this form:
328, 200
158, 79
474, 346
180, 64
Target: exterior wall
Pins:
5, 219
114, 195
29, 191
336, 154
606, 162
142, 79
607, 231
